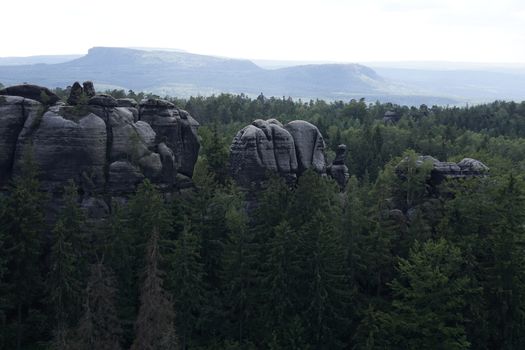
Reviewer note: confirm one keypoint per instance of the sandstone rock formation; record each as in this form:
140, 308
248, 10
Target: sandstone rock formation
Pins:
80, 94
33, 92
440, 171
338, 170
106, 146
268, 146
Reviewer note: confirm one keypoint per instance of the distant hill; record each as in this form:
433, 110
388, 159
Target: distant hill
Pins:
47, 59
179, 73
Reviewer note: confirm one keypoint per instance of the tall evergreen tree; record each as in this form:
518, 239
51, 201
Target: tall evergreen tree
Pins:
187, 285
155, 323
22, 222
67, 267
238, 274
430, 296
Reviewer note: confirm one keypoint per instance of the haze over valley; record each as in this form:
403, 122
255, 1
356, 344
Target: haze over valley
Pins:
182, 74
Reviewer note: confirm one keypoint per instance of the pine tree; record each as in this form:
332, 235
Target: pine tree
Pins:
504, 270
429, 299
279, 278
315, 213
62, 284
187, 285
238, 273
155, 324
22, 222
67, 267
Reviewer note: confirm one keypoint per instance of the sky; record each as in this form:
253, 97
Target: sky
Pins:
306, 30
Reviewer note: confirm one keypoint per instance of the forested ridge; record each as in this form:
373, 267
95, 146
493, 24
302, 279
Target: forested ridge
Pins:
310, 267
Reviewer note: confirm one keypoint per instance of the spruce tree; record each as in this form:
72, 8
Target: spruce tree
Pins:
238, 273
155, 324
187, 285
67, 267
430, 295
22, 223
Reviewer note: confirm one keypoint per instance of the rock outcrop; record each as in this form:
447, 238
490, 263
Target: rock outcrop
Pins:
106, 146
33, 92
440, 171
268, 146
338, 170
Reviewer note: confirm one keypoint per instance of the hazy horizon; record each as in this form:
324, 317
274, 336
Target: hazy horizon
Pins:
329, 30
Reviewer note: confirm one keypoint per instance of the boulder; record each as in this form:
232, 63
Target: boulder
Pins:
33, 92
127, 102
103, 100
472, 166
268, 146
309, 146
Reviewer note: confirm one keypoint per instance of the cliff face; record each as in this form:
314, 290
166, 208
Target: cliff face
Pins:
106, 146
268, 146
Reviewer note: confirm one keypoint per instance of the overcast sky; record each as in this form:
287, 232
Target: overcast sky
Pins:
329, 30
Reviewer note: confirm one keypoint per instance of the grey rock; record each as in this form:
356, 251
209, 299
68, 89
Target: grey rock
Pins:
146, 133
267, 146
440, 171
309, 145
89, 89
33, 92
188, 144
469, 165
169, 166
64, 148
14, 111
103, 101
127, 142
176, 129
391, 117
104, 148
151, 166
338, 170
76, 94
124, 177
127, 102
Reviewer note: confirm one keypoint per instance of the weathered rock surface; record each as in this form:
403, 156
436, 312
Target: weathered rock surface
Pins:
440, 171
14, 111
33, 92
80, 94
174, 127
338, 170
268, 146
106, 146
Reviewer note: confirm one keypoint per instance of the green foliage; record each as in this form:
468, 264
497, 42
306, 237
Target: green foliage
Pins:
429, 297
22, 223
394, 262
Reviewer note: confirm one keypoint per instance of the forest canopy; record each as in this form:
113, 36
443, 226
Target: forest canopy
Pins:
386, 264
